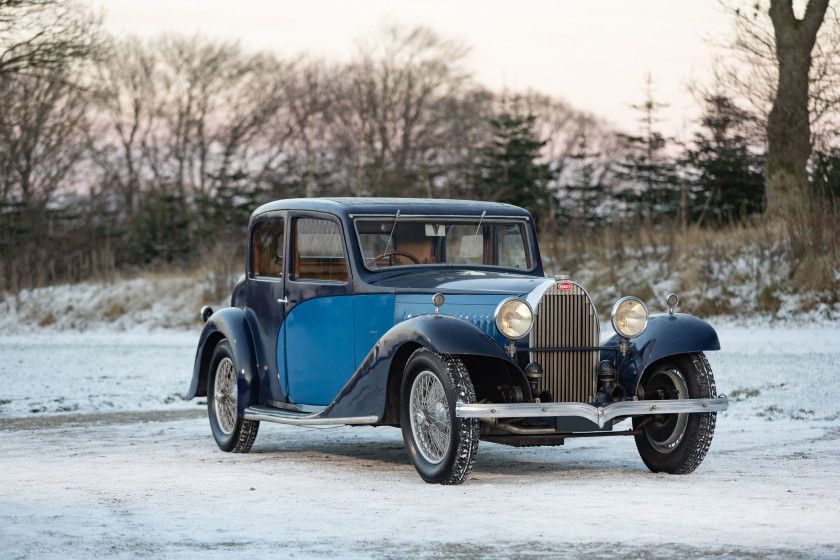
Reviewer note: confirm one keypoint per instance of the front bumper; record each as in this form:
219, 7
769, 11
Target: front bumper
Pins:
597, 414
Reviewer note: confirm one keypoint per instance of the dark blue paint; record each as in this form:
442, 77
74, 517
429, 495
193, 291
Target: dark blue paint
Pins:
666, 335
365, 394
346, 335
232, 324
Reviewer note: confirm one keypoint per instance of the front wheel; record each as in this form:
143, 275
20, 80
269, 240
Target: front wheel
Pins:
676, 443
441, 446
231, 432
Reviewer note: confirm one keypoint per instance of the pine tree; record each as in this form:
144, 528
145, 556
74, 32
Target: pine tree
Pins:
649, 175
508, 170
727, 183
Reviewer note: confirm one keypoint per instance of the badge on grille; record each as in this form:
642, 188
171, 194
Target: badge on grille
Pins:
565, 285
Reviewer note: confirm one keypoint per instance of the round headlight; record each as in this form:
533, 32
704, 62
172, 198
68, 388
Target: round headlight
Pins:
629, 317
514, 318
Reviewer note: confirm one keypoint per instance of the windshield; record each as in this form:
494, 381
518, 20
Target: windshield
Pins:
388, 242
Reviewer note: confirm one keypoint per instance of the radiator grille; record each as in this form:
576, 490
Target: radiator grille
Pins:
566, 319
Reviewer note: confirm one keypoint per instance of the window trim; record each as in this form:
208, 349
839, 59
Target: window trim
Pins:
291, 272
252, 274
528, 240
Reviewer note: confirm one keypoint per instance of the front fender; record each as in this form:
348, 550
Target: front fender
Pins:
366, 392
230, 323
665, 335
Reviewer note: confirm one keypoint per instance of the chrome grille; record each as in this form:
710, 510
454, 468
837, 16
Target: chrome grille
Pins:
566, 319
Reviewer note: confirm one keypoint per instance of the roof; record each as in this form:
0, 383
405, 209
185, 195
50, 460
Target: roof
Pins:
350, 206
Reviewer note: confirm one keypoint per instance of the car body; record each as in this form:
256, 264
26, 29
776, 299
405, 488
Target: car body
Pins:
436, 316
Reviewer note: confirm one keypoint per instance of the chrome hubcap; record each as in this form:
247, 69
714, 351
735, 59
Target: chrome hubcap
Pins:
430, 422
225, 396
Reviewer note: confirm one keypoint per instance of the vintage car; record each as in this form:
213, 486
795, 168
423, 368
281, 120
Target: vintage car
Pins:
436, 316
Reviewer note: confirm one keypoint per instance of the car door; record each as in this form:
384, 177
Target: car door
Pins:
266, 299
319, 338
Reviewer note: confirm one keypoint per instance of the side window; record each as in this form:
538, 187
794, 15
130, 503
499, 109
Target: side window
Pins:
319, 254
268, 247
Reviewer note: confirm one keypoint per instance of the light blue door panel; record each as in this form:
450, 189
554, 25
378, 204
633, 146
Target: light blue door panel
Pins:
319, 349
374, 316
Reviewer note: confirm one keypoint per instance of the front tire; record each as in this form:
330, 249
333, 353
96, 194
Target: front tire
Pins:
231, 432
441, 446
677, 443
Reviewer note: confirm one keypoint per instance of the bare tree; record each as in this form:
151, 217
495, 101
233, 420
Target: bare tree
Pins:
394, 98
125, 92
788, 126
786, 68
39, 35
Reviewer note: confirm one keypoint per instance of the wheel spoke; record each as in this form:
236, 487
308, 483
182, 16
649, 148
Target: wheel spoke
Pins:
225, 396
430, 422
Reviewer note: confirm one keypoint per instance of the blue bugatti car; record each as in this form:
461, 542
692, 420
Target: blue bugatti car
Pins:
436, 316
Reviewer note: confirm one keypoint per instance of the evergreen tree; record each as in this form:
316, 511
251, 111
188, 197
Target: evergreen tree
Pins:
508, 170
728, 183
588, 197
649, 174
825, 177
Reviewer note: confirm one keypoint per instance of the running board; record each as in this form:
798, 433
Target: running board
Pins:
268, 414
599, 415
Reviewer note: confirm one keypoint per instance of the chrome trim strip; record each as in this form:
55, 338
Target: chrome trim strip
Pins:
595, 414
265, 414
424, 217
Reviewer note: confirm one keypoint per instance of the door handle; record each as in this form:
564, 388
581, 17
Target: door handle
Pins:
284, 300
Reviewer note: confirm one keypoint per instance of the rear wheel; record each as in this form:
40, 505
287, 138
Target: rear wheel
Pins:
231, 432
676, 443
441, 446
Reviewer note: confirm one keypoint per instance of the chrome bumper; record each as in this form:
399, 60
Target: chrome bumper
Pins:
600, 415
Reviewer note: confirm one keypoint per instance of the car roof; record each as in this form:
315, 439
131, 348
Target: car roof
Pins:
359, 206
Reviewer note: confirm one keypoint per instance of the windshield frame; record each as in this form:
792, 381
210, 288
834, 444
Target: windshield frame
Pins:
523, 222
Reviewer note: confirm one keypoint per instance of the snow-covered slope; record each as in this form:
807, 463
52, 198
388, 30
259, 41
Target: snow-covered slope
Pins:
144, 303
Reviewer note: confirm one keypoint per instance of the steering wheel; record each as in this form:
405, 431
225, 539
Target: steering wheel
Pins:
389, 254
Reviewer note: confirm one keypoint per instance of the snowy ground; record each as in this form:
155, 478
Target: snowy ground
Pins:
102, 457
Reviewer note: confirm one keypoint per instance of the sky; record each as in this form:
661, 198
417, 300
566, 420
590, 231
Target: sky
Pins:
593, 54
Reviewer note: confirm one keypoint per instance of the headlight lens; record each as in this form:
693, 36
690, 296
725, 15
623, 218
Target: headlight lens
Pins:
629, 317
514, 318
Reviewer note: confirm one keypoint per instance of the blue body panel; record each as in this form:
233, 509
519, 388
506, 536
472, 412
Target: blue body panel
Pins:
476, 309
234, 325
665, 335
333, 344
365, 394
373, 317
320, 354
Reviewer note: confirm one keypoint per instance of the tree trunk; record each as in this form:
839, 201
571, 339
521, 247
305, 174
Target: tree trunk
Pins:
788, 127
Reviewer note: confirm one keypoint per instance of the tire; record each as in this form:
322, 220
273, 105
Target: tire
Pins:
231, 432
677, 443
441, 446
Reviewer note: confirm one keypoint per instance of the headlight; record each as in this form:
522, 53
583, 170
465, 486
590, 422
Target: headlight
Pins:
629, 317
514, 318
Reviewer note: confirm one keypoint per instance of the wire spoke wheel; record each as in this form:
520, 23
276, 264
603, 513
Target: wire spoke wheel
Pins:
226, 396
441, 446
430, 422
231, 432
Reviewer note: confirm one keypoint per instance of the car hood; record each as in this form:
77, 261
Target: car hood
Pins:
458, 282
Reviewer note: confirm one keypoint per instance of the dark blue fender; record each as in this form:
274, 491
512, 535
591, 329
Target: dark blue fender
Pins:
366, 392
665, 335
232, 324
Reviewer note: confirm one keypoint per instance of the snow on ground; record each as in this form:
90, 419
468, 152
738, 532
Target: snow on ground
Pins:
102, 458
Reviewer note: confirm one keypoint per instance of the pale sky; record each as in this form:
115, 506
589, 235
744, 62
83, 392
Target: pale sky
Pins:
594, 54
